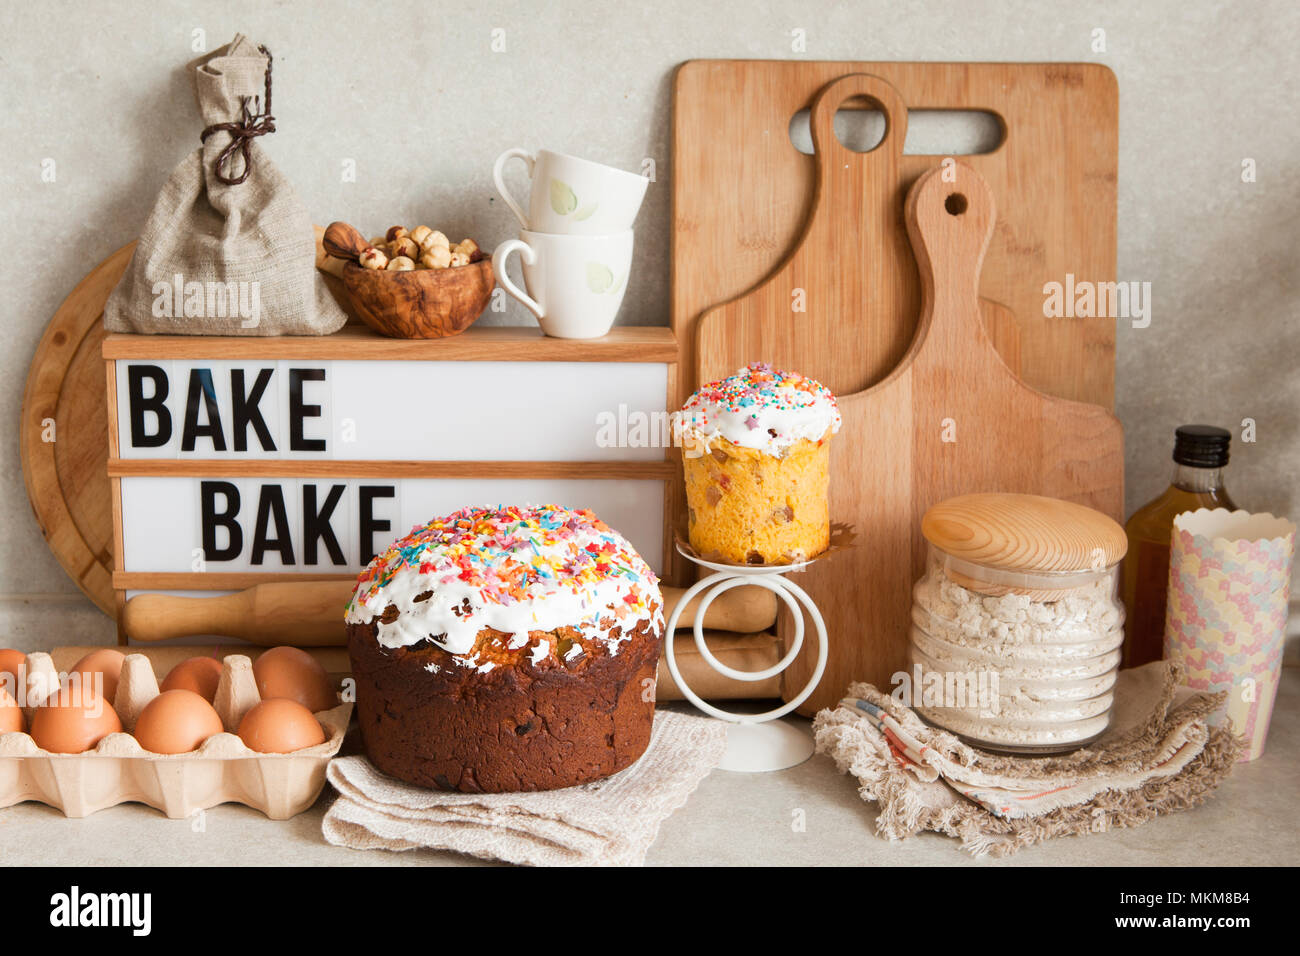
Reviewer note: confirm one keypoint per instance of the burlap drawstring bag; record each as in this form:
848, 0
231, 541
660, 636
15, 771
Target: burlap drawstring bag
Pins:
229, 247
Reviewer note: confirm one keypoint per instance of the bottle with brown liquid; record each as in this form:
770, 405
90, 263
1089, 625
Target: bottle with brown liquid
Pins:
1200, 456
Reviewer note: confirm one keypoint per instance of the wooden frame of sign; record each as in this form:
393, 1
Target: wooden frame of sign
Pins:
200, 425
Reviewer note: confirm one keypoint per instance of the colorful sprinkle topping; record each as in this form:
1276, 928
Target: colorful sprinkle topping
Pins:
513, 569
762, 407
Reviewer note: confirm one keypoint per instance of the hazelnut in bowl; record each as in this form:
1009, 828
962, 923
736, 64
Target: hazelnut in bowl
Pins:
411, 285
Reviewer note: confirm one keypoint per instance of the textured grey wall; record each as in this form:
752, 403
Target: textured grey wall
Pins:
417, 97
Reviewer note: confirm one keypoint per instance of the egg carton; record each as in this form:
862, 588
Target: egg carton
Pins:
119, 770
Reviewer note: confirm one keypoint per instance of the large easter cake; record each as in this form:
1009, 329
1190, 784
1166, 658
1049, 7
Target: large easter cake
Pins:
503, 649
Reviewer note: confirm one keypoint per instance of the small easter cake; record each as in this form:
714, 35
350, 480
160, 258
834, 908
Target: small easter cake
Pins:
503, 649
756, 450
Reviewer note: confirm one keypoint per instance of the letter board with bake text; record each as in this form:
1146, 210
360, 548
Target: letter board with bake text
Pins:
238, 461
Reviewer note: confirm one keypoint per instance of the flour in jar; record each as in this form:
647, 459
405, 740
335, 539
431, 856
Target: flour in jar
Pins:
1055, 660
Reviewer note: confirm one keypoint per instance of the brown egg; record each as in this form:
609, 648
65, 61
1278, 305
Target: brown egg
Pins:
199, 674
293, 674
106, 661
176, 722
11, 715
11, 662
280, 726
73, 722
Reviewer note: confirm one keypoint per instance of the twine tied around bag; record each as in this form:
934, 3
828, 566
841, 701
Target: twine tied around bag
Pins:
243, 132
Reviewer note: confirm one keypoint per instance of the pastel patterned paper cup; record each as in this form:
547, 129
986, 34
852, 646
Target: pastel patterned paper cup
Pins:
1229, 586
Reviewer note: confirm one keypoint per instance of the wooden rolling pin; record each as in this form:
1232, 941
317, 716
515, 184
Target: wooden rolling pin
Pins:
310, 613
743, 652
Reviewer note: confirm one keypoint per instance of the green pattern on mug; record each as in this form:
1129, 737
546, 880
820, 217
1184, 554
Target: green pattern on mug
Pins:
600, 279
563, 200
585, 212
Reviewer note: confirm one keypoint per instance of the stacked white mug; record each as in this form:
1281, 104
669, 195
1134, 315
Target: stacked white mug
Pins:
576, 243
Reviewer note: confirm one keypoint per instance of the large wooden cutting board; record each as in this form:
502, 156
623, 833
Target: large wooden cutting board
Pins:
742, 195
755, 221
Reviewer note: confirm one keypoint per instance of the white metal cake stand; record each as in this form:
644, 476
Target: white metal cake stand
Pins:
756, 743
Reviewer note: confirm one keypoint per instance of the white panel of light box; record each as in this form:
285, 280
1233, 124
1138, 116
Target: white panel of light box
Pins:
411, 411
162, 523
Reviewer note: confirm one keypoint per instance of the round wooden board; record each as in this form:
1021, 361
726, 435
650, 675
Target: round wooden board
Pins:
67, 479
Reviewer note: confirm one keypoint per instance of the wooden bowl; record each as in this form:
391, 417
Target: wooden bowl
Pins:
421, 304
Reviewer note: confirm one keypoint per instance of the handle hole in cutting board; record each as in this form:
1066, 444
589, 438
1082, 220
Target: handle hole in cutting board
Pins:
929, 132
956, 204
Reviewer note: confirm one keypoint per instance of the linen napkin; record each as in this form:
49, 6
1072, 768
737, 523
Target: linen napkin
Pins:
1159, 755
609, 822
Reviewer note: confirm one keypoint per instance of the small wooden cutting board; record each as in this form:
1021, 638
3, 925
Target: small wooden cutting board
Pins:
950, 419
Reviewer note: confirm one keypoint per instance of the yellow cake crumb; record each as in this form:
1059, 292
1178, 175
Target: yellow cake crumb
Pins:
749, 507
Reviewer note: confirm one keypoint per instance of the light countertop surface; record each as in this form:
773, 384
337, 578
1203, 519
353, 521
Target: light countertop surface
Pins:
732, 819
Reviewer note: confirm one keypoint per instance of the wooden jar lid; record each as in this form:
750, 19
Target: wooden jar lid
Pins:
1024, 533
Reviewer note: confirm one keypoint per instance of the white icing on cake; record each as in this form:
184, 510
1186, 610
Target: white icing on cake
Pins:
759, 407
514, 570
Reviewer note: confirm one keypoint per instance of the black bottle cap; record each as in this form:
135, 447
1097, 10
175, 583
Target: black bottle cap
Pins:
1201, 446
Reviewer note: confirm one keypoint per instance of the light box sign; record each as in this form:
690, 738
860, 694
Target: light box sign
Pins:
411, 411
339, 524
266, 461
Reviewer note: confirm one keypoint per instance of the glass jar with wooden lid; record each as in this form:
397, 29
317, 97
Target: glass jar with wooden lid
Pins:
1016, 623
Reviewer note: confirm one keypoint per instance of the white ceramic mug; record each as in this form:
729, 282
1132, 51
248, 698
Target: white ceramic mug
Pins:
575, 283
572, 196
